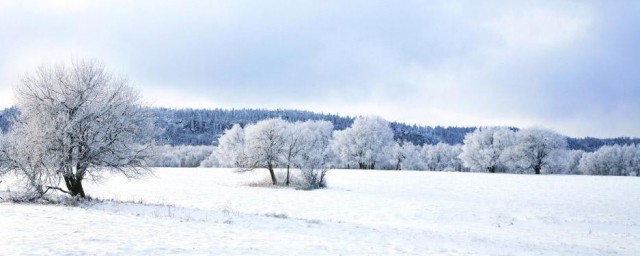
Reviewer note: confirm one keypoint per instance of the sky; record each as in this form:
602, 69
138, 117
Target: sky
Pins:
572, 66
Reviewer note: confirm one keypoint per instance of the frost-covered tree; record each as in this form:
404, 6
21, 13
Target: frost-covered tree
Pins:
538, 149
28, 159
483, 148
181, 156
443, 157
406, 156
572, 164
210, 161
3, 161
397, 156
78, 121
294, 144
631, 156
3, 147
367, 143
611, 160
413, 159
314, 160
605, 161
264, 145
231, 148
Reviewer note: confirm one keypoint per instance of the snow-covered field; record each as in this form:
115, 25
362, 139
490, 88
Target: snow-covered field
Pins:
214, 211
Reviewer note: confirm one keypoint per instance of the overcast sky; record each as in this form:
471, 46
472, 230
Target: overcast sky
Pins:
572, 66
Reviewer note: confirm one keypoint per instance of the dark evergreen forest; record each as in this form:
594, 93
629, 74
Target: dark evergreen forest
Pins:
204, 126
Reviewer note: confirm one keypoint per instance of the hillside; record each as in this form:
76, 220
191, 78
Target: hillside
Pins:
204, 126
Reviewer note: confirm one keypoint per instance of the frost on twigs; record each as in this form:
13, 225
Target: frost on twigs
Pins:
300, 148
76, 122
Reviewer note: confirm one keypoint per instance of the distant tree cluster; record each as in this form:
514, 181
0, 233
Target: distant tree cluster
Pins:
609, 160
369, 144
274, 143
536, 150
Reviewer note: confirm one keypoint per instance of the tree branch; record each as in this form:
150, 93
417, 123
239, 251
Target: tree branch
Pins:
56, 188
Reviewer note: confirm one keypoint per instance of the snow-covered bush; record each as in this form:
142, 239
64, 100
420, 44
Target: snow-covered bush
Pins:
210, 162
181, 156
572, 161
406, 156
443, 157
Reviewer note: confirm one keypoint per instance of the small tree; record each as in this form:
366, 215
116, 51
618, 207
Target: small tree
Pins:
265, 143
76, 121
573, 161
406, 156
231, 146
443, 157
294, 144
631, 156
315, 157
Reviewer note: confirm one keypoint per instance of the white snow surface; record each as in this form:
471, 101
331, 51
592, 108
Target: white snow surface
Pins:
215, 211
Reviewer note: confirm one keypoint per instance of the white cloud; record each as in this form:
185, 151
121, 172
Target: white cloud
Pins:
431, 62
541, 27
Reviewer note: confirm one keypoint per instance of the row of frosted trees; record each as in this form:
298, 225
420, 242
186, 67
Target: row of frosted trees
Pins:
369, 144
536, 150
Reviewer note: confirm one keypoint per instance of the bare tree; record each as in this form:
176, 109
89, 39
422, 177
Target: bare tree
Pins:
78, 121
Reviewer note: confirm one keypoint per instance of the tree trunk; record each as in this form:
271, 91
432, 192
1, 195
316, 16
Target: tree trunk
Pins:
537, 169
491, 169
287, 182
273, 175
74, 185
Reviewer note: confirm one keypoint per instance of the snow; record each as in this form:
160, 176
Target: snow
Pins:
217, 211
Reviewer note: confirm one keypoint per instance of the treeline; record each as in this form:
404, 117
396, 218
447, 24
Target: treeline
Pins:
181, 156
197, 127
204, 127
590, 144
369, 144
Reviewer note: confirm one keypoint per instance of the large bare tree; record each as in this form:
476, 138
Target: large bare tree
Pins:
77, 121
